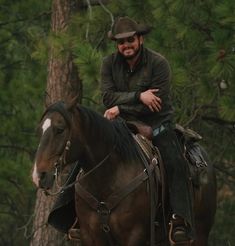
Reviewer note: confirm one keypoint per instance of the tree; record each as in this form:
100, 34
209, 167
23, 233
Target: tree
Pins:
20, 96
63, 83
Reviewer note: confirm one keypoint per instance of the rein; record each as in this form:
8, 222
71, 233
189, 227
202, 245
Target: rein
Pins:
60, 163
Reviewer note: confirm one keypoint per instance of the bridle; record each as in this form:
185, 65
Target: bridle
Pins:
60, 163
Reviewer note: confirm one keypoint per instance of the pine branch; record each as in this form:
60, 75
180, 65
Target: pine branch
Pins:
223, 170
13, 64
27, 226
83, 3
25, 19
203, 29
22, 149
196, 113
219, 121
101, 2
91, 100
90, 17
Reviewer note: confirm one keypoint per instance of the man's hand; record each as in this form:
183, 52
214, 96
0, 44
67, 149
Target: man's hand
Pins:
151, 100
112, 113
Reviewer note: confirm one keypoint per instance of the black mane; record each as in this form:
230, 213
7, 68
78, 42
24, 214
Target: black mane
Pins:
114, 131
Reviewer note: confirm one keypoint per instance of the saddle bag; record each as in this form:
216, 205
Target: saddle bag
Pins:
197, 164
194, 154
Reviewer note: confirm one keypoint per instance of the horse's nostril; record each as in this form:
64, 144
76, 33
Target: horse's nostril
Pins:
46, 180
42, 175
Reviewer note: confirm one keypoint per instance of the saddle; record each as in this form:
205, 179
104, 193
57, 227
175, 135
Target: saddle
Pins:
137, 127
188, 139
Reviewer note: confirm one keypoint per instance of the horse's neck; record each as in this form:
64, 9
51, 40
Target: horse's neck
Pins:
99, 145
98, 151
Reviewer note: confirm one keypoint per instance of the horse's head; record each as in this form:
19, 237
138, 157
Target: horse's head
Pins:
54, 150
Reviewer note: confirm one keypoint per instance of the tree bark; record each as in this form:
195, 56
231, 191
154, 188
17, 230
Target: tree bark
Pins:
43, 234
63, 83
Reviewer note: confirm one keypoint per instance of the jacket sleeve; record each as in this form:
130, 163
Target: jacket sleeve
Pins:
160, 79
112, 97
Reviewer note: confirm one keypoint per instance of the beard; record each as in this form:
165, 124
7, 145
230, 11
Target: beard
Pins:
132, 56
134, 52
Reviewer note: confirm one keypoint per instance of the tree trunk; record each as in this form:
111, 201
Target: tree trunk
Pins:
62, 84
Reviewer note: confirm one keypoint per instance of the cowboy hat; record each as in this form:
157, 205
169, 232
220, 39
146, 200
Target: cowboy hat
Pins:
125, 27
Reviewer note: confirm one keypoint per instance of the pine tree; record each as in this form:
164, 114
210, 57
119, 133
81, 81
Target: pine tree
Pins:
21, 86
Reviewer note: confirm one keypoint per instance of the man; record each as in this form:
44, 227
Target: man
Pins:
135, 84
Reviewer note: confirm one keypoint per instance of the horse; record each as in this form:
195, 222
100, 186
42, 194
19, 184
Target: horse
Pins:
113, 193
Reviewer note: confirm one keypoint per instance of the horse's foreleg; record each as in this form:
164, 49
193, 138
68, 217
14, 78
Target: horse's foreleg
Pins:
137, 237
202, 236
201, 241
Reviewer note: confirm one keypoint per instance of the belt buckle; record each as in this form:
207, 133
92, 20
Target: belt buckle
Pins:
158, 130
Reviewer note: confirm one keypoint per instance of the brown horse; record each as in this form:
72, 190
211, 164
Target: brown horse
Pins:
113, 202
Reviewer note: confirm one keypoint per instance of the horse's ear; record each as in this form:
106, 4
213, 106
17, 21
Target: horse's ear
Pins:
72, 102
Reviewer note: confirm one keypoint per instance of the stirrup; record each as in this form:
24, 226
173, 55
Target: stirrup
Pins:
172, 231
74, 232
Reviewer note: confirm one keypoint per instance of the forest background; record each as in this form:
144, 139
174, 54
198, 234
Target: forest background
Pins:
198, 39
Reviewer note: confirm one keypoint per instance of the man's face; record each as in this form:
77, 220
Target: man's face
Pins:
129, 47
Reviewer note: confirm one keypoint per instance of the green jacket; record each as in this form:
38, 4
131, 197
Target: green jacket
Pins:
122, 87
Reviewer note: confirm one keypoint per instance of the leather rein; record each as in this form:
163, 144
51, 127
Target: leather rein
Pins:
61, 163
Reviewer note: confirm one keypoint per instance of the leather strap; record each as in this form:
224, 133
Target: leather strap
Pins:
114, 199
104, 208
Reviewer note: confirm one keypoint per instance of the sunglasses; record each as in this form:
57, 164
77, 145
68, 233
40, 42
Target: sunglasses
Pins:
124, 40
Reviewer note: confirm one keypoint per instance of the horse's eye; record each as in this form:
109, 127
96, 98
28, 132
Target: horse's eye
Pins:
59, 130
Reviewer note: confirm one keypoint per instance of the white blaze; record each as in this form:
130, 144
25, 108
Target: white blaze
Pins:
46, 125
35, 175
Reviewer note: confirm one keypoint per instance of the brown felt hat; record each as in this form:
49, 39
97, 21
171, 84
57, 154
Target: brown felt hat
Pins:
125, 27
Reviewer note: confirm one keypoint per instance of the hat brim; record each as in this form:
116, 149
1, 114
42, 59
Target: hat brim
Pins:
120, 35
142, 31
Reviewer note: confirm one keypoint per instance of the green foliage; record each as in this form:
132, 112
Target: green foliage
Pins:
22, 81
89, 61
224, 233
